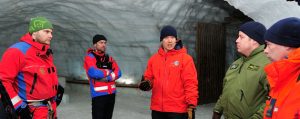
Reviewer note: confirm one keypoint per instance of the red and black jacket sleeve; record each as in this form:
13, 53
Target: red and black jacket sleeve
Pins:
9, 69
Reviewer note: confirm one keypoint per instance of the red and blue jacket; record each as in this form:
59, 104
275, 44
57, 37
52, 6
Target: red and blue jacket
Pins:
102, 81
27, 72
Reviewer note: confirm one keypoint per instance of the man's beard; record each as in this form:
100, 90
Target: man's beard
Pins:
101, 51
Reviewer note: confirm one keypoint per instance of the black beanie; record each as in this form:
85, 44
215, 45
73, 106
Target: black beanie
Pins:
285, 32
254, 30
167, 31
98, 37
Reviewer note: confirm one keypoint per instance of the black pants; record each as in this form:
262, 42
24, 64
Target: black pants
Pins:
168, 115
3, 114
103, 106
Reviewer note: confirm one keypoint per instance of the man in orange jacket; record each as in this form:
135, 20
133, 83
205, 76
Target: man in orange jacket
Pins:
283, 42
172, 76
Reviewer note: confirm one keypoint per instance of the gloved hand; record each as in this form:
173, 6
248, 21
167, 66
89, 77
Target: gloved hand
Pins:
59, 94
24, 112
216, 115
109, 71
145, 85
191, 112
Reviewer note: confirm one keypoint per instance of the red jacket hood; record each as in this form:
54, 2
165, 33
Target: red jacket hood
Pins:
294, 56
90, 50
28, 39
283, 68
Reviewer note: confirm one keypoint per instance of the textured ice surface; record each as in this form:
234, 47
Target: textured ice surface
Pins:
131, 26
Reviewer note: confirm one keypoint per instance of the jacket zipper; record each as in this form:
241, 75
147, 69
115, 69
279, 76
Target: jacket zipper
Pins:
162, 93
34, 82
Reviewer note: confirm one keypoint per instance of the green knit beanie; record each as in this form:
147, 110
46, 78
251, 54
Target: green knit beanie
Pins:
39, 23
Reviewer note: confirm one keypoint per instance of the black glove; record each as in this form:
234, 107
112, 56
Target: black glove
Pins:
216, 115
59, 95
24, 112
145, 85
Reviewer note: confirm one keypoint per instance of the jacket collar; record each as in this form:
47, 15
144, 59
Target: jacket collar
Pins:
254, 52
91, 50
171, 52
28, 39
294, 56
278, 72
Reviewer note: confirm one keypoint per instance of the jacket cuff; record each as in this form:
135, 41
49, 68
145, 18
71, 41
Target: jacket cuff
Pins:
217, 111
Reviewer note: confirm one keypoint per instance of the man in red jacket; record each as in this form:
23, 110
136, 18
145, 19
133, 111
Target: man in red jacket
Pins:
172, 76
283, 48
28, 73
102, 71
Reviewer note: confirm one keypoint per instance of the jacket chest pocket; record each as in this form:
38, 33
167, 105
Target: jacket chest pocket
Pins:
39, 76
39, 70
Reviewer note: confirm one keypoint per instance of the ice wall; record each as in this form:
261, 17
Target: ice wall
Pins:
131, 26
267, 11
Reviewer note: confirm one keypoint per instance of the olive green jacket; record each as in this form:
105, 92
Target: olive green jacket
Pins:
245, 88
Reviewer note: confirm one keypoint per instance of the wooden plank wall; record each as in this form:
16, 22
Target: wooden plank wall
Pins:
210, 49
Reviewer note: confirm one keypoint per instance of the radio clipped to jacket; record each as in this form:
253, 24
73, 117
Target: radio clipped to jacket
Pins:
104, 65
103, 62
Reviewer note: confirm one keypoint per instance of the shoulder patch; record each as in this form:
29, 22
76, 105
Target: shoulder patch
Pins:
234, 66
253, 67
91, 55
22, 46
